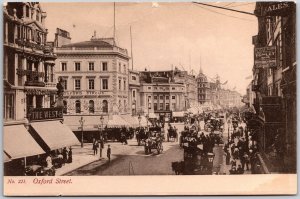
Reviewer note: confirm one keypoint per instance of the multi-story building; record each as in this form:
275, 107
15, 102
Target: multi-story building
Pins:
134, 92
275, 86
203, 88
162, 94
95, 76
29, 85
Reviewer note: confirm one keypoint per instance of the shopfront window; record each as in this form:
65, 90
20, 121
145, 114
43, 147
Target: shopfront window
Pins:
91, 106
78, 106
105, 106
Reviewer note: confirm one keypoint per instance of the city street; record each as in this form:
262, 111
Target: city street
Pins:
131, 160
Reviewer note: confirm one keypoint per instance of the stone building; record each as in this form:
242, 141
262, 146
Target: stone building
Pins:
31, 118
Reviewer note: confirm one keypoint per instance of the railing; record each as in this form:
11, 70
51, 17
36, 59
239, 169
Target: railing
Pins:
92, 49
50, 84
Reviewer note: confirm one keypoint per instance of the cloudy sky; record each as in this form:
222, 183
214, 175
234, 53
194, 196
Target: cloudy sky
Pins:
166, 34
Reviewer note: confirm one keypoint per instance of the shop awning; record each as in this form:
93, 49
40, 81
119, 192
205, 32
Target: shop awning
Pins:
55, 134
178, 114
18, 142
143, 122
153, 116
117, 121
91, 122
130, 119
6, 158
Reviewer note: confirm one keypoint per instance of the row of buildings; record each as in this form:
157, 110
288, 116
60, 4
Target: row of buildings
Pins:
96, 81
272, 92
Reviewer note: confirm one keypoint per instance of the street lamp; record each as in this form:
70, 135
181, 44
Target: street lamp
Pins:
101, 136
139, 118
81, 122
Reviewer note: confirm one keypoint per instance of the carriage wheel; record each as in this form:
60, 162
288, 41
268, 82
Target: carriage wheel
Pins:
139, 142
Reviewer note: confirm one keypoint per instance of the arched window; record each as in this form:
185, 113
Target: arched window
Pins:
65, 106
105, 106
91, 106
78, 106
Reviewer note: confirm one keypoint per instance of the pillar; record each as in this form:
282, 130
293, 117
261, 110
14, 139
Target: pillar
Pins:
24, 67
34, 101
24, 11
6, 33
15, 69
40, 69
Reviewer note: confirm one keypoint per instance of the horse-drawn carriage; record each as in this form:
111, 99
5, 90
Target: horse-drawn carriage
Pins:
141, 135
117, 134
154, 141
172, 134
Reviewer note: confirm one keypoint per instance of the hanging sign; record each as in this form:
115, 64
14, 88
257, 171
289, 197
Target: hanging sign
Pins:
279, 8
265, 57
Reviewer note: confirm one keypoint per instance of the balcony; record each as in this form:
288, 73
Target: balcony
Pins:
50, 84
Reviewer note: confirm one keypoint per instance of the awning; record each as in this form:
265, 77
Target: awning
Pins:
178, 114
6, 158
130, 120
55, 134
117, 121
143, 122
91, 122
153, 116
18, 142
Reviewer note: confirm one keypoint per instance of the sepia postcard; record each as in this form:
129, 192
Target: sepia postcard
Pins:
149, 98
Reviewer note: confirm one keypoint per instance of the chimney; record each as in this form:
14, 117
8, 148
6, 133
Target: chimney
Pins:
62, 37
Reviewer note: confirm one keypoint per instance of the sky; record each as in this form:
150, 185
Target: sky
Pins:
185, 35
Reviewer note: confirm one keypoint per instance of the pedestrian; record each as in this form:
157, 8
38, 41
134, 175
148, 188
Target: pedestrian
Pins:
247, 160
95, 146
108, 153
65, 155
101, 146
70, 155
227, 157
233, 170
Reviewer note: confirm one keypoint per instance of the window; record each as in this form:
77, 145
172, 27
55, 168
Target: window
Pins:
77, 66
173, 106
149, 88
133, 94
161, 97
133, 77
77, 84
124, 85
104, 84
173, 97
125, 105
91, 84
120, 84
78, 106
155, 106
91, 106
167, 106
167, 97
155, 97
65, 84
173, 88
104, 66
91, 66
63, 66
65, 106
105, 106
161, 106
9, 107
125, 71
119, 67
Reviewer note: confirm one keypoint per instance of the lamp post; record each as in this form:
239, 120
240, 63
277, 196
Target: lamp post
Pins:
210, 157
101, 136
81, 122
139, 118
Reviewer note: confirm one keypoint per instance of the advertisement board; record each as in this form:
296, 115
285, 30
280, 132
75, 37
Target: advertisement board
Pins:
265, 57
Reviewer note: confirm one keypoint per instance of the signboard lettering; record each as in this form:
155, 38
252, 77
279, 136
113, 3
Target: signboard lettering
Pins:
45, 113
279, 8
265, 57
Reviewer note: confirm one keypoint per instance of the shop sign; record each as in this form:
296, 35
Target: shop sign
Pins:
265, 57
45, 113
278, 8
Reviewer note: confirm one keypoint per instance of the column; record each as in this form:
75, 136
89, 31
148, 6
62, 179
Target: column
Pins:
16, 78
40, 69
33, 101
43, 101
15, 32
23, 67
24, 11
6, 33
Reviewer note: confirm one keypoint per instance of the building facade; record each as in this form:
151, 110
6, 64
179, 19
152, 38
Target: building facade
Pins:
275, 86
95, 75
32, 117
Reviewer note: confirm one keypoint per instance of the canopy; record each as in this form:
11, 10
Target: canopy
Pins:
91, 122
153, 116
178, 114
130, 120
55, 134
117, 121
143, 121
6, 158
18, 142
